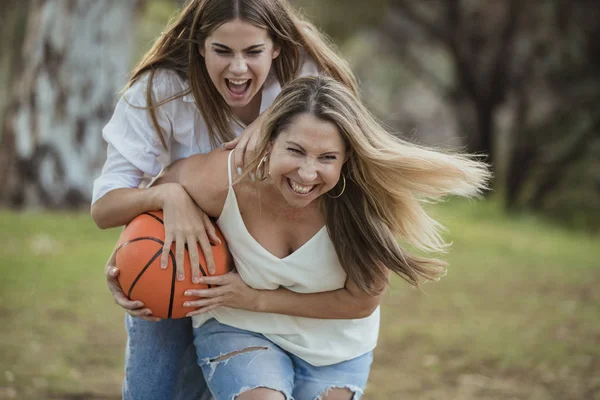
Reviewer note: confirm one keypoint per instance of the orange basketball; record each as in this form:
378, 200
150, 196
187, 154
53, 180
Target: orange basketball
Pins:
141, 277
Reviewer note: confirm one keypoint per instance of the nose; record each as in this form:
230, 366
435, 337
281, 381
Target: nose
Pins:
238, 66
308, 171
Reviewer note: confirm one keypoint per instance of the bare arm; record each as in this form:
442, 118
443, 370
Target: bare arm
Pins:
118, 207
203, 177
348, 302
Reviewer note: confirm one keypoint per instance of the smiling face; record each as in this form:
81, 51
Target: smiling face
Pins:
306, 159
238, 57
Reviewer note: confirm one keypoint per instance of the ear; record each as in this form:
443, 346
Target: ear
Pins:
201, 49
276, 52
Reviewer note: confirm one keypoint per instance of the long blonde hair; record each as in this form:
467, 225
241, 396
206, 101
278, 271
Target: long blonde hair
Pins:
177, 50
387, 179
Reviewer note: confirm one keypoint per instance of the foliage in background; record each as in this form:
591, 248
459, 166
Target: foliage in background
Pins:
154, 18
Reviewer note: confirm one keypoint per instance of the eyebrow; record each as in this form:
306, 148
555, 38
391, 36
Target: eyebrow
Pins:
253, 47
302, 148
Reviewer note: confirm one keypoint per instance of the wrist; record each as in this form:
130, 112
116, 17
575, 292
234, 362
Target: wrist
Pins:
260, 301
164, 193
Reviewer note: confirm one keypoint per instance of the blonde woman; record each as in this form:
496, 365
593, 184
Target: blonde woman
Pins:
333, 192
205, 81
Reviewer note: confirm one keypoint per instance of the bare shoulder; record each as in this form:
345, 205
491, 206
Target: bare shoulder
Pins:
204, 177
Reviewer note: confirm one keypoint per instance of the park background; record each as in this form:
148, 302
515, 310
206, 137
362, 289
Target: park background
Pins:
517, 317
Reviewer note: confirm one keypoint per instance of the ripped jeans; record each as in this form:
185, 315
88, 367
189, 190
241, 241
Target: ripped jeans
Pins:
234, 361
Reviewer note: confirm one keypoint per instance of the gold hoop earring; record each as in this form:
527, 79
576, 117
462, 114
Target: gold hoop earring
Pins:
343, 188
260, 169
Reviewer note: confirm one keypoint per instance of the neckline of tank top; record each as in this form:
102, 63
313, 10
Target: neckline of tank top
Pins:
263, 249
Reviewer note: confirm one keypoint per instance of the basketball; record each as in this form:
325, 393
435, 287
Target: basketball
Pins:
141, 277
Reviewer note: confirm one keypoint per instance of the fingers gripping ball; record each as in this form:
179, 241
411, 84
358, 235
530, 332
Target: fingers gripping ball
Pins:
141, 277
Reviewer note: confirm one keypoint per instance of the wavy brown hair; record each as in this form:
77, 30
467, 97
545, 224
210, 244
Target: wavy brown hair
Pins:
177, 49
387, 178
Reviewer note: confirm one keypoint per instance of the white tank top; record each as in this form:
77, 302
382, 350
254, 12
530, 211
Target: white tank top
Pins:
314, 267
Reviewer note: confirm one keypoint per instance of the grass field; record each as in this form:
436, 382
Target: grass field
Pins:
517, 317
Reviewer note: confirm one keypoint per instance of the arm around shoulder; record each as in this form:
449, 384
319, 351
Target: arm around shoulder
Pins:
204, 178
119, 206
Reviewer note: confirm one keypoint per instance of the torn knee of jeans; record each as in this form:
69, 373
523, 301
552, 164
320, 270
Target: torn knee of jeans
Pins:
353, 390
235, 353
286, 396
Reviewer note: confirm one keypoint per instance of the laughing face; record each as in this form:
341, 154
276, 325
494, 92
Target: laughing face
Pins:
238, 57
306, 159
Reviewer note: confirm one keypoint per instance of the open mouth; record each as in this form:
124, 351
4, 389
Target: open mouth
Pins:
238, 87
300, 189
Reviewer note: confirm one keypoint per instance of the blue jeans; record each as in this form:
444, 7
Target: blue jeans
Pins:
235, 361
160, 361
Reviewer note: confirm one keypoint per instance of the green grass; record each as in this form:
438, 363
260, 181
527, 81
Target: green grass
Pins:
516, 317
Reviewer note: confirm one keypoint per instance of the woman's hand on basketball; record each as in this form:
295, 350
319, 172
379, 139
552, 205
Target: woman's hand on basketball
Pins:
133, 308
245, 145
186, 225
228, 290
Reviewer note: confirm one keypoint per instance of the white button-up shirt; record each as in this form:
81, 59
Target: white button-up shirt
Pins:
134, 148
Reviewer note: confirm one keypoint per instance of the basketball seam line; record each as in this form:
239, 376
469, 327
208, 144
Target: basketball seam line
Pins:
173, 277
204, 273
155, 217
139, 239
158, 253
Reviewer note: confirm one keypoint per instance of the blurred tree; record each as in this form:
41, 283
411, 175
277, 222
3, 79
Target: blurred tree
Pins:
341, 19
537, 59
556, 151
13, 14
75, 59
478, 38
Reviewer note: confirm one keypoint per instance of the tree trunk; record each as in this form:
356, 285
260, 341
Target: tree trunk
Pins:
483, 143
555, 172
521, 156
14, 16
13, 13
75, 60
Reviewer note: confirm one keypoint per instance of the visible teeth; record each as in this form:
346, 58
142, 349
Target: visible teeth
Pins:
300, 189
241, 82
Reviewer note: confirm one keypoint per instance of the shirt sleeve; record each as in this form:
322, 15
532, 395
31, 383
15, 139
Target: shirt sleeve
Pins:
116, 173
134, 147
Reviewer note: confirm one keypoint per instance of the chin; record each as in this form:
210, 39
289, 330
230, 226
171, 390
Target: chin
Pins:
236, 103
300, 203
